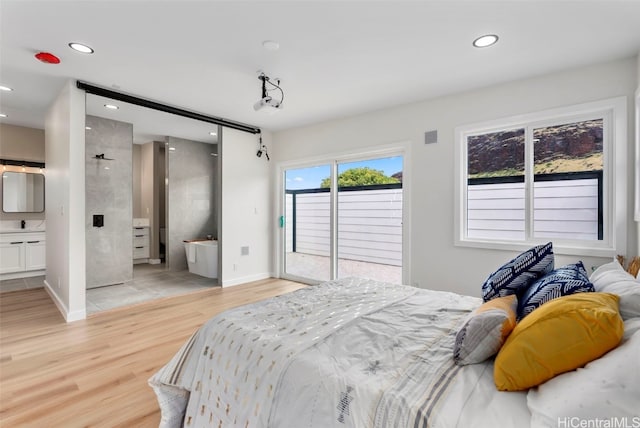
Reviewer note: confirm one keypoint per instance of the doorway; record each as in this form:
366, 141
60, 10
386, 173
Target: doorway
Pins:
344, 218
150, 218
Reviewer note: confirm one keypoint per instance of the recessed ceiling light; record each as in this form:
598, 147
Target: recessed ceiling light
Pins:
88, 128
111, 107
173, 149
271, 45
3, 115
80, 48
5, 88
213, 133
485, 41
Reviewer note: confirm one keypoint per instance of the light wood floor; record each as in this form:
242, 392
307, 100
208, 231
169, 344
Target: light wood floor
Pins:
94, 372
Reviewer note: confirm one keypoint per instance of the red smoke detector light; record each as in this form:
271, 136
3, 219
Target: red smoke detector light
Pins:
47, 58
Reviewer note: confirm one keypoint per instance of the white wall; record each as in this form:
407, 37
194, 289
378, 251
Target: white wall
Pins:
637, 148
435, 262
247, 213
65, 190
21, 143
136, 156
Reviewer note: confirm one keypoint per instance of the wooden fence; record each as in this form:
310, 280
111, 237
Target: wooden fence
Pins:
567, 206
369, 223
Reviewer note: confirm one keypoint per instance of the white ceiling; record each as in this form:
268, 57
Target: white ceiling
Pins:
335, 59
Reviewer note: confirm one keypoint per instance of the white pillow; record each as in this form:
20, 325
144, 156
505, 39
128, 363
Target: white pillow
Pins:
612, 278
606, 388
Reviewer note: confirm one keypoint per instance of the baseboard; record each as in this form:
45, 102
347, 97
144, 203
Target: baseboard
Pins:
245, 279
27, 274
68, 316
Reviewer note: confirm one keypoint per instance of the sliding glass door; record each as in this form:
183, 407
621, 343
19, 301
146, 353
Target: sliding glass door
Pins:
307, 223
344, 218
369, 220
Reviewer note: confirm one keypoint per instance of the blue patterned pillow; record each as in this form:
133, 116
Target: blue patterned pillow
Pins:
514, 277
569, 279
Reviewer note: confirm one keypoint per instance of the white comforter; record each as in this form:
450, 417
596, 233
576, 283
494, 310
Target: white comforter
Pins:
349, 353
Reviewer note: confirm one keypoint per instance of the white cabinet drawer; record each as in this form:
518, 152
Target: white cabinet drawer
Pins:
35, 255
142, 241
140, 231
12, 257
140, 252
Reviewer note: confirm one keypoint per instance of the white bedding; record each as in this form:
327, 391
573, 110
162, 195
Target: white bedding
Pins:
348, 353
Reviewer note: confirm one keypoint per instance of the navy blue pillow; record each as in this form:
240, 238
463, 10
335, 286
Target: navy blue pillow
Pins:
569, 279
514, 277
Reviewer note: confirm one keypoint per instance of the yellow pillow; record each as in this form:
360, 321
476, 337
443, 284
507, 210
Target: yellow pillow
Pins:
561, 335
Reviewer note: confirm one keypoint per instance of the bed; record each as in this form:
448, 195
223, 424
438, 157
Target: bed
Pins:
348, 353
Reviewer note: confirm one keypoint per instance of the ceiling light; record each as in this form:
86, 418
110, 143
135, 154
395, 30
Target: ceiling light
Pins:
173, 149
213, 133
88, 128
3, 115
485, 41
111, 107
5, 88
271, 45
81, 48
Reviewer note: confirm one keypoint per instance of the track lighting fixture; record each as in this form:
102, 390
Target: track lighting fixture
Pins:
266, 102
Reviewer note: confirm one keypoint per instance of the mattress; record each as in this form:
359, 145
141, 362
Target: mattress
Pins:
348, 353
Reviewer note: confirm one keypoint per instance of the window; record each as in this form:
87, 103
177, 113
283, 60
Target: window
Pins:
543, 177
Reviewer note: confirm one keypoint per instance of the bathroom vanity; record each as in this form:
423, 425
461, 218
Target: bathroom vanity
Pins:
22, 241
22, 254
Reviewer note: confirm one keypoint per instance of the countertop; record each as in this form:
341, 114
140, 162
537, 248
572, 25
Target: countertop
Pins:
25, 230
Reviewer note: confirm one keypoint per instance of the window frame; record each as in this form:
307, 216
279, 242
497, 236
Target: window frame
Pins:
614, 113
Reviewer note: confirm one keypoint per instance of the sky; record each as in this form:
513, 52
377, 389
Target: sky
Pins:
310, 178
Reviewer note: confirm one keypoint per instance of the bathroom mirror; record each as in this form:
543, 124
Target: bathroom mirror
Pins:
22, 192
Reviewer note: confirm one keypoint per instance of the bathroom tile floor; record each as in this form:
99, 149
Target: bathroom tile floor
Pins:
149, 282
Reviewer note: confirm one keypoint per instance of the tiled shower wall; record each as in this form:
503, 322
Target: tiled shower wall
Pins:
192, 195
109, 249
